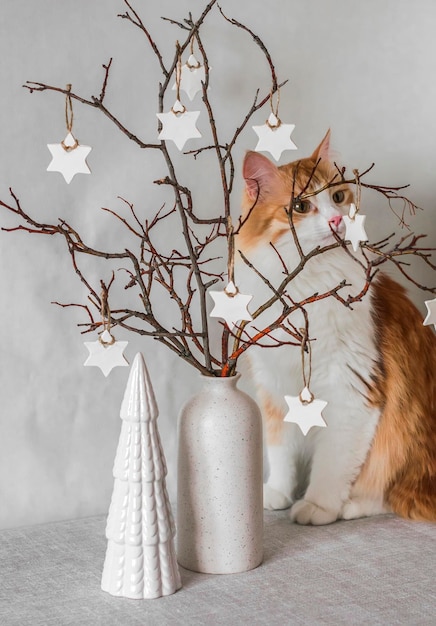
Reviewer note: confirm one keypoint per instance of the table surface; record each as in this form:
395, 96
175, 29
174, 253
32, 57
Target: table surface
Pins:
378, 570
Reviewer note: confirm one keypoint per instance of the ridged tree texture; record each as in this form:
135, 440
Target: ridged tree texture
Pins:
140, 558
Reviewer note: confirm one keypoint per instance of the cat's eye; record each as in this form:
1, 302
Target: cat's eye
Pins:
301, 206
338, 196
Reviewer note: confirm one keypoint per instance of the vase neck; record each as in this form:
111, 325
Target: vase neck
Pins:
220, 382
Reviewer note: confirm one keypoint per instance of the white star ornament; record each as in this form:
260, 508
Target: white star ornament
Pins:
431, 313
231, 305
192, 76
354, 227
305, 411
106, 353
274, 137
69, 158
178, 125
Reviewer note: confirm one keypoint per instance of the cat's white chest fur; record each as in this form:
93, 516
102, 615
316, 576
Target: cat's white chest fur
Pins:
342, 338
343, 357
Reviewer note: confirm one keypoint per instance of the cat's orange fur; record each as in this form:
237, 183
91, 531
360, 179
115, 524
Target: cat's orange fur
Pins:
400, 467
401, 464
264, 204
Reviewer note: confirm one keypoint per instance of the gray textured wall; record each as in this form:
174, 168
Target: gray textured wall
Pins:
366, 70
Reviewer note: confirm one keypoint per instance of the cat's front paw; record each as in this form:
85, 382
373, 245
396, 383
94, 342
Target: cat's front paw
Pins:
275, 500
363, 507
305, 512
353, 510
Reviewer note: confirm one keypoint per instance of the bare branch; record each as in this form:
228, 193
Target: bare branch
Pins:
179, 278
136, 21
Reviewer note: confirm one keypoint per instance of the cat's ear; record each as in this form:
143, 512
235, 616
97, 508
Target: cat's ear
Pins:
323, 150
261, 175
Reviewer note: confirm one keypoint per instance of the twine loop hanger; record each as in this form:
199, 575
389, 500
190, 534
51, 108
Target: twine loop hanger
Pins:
178, 108
274, 121
69, 118
306, 378
105, 317
233, 291
190, 62
355, 207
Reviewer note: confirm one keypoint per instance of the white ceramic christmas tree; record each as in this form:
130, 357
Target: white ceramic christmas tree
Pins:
140, 558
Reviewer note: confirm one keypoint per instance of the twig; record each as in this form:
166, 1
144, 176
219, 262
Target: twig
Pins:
183, 276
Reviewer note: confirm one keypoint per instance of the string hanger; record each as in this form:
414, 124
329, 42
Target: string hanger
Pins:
178, 107
306, 378
274, 110
69, 115
355, 206
192, 62
69, 118
274, 121
231, 289
105, 316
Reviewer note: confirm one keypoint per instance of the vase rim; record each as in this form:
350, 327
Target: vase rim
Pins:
236, 376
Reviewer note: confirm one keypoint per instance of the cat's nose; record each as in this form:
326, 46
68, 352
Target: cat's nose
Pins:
335, 221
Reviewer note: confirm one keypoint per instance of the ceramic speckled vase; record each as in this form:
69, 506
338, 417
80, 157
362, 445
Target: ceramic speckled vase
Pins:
219, 495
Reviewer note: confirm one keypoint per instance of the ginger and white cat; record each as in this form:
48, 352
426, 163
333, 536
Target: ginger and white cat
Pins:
374, 364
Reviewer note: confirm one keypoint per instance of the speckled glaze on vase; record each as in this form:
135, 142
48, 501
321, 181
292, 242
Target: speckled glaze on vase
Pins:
219, 491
